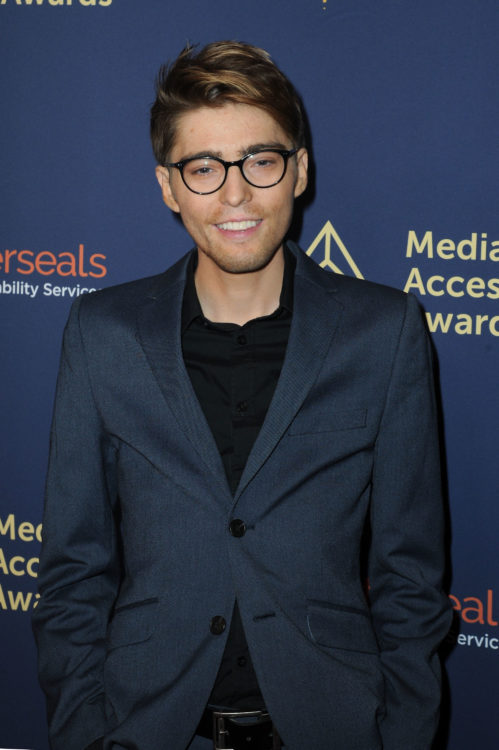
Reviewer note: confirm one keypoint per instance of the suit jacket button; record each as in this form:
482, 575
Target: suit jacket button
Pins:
237, 527
217, 625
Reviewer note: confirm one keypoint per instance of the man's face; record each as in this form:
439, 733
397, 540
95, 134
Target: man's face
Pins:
218, 222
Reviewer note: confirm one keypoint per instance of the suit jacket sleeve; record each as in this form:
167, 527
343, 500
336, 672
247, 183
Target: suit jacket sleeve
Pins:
79, 573
411, 614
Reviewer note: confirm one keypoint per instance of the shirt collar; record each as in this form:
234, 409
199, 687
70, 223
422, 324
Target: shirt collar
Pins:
191, 309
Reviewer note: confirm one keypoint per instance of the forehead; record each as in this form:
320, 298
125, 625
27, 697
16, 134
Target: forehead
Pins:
227, 131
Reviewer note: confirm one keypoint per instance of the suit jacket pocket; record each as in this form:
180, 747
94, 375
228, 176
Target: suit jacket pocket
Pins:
310, 421
132, 623
340, 627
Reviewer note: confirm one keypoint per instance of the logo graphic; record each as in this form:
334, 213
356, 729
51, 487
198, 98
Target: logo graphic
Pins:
466, 280
474, 611
32, 265
18, 566
335, 256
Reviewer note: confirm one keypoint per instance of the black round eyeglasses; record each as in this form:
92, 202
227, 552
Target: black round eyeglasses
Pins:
206, 174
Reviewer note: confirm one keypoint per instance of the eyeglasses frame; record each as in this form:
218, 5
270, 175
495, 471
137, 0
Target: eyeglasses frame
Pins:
237, 163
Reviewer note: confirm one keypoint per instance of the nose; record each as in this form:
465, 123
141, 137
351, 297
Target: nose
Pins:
235, 189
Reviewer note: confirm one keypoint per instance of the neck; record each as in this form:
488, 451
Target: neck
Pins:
238, 297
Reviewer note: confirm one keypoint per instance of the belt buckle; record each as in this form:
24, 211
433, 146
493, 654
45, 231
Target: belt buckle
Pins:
221, 733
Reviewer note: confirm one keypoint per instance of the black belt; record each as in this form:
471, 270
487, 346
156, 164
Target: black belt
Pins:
239, 730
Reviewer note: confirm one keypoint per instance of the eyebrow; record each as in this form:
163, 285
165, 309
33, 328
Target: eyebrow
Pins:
251, 149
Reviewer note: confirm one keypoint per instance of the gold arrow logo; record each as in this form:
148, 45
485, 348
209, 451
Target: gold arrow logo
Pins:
338, 250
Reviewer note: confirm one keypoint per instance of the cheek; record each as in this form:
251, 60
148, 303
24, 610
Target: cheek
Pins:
194, 221
190, 210
282, 208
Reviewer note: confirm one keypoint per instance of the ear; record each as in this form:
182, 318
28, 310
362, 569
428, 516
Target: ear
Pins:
301, 171
163, 178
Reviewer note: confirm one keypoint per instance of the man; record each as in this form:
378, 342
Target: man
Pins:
236, 443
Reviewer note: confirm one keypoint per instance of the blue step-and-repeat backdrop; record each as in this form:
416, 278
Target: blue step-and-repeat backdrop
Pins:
403, 102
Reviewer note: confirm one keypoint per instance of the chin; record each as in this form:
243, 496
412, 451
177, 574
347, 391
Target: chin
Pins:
246, 266
244, 263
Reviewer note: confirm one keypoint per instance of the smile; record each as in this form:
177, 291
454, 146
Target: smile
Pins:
237, 226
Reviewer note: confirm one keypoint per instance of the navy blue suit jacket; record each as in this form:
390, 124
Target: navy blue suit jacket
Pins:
137, 555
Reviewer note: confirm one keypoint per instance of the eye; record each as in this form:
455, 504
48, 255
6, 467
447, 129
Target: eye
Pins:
201, 170
265, 161
198, 168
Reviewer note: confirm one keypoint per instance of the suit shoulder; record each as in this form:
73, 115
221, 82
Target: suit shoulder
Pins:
381, 307
381, 294
368, 306
128, 296
126, 291
349, 288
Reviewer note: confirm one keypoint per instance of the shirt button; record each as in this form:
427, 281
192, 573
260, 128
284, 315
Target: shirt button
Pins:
237, 527
242, 661
242, 407
217, 625
241, 339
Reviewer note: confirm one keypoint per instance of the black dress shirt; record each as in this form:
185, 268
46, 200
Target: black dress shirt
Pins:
234, 371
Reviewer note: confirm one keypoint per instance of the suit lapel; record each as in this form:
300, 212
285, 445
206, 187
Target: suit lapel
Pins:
316, 315
159, 326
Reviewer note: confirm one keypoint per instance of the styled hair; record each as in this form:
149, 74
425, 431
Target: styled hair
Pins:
220, 73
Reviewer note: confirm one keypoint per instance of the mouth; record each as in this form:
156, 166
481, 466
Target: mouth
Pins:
238, 226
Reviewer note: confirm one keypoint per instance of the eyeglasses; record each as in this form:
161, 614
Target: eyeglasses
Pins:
207, 174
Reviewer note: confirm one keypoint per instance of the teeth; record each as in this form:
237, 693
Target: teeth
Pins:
236, 226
